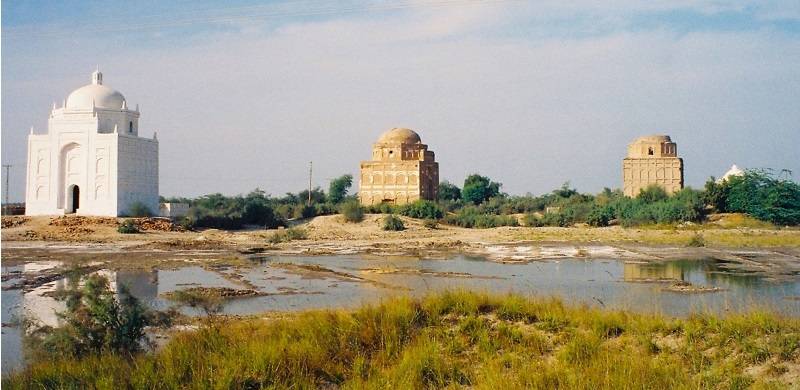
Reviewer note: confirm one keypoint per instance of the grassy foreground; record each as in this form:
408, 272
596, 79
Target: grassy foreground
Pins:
455, 339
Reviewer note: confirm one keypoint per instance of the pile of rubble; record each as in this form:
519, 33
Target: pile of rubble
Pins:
81, 221
14, 221
157, 224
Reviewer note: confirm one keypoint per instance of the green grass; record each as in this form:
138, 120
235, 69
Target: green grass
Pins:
454, 339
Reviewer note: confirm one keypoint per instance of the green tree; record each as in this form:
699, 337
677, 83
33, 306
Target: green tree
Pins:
256, 210
478, 189
448, 191
765, 197
339, 187
716, 194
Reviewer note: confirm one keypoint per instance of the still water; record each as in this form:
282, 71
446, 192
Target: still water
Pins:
297, 283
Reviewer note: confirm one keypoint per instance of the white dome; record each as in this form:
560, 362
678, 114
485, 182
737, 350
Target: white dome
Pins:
102, 96
734, 171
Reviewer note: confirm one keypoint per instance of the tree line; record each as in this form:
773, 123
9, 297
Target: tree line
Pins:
480, 203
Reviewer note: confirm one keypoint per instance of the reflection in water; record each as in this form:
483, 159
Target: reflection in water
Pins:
636, 272
349, 281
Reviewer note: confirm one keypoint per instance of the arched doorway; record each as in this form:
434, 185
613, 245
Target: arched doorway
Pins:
73, 199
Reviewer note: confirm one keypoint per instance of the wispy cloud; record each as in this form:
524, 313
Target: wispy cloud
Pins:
487, 86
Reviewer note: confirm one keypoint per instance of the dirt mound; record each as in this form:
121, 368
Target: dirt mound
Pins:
14, 221
81, 221
157, 224
215, 292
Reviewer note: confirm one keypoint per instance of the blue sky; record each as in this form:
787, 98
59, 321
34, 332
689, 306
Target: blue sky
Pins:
533, 94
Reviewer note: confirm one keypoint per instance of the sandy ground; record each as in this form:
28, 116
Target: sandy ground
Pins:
771, 251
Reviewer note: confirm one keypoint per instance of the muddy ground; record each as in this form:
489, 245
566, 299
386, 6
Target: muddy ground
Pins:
773, 252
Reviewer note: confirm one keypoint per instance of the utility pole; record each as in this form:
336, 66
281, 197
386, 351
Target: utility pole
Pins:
5, 206
310, 168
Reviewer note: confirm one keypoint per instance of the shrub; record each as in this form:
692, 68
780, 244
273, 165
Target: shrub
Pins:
216, 221
383, 208
652, 193
556, 218
186, 223
430, 223
600, 216
287, 235
256, 211
471, 217
304, 211
139, 209
422, 209
95, 321
352, 211
393, 223
532, 220
127, 227
697, 241
211, 305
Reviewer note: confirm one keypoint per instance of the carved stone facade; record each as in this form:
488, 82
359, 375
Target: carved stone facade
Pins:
652, 160
402, 170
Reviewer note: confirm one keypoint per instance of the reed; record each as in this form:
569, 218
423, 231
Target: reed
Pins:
454, 339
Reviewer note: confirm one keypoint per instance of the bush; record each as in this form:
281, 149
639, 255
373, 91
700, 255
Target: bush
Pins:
95, 321
127, 227
653, 193
422, 209
287, 235
532, 220
256, 211
556, 218
305, 211
216, 221
697, 240
471, 217
600, 216
139, 210
186, 223
383, 208
352, 211
325, 209
393, 223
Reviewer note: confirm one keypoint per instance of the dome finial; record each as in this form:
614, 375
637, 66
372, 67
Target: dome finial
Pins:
97, 77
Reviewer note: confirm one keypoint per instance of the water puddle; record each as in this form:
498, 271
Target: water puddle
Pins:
289, 283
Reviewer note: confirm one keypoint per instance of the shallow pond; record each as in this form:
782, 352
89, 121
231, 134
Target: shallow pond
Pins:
296, 283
